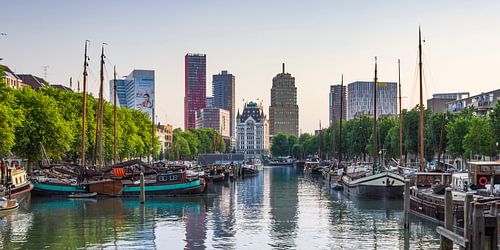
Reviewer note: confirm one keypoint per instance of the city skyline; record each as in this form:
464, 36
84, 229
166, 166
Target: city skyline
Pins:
324, 42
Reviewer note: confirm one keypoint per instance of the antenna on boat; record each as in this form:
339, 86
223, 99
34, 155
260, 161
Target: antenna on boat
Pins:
421, 106
375, 119
84, 94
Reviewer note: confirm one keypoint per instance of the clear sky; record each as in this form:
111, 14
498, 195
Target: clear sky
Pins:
318, 41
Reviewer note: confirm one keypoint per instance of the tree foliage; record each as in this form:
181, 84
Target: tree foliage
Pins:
53, 118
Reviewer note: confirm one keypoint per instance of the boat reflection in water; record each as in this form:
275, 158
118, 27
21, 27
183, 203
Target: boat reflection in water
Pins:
279, 208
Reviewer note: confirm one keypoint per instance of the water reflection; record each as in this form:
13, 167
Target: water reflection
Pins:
280, 208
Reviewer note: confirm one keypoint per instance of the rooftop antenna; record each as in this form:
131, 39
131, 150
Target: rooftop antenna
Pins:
45, 68
283, 68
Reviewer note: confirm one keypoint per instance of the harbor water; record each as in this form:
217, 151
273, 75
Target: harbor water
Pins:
281, 208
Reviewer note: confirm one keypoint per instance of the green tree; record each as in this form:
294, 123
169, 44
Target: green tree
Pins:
495, 125
279, 145
44, 125
479, 138
456, 131
10, 118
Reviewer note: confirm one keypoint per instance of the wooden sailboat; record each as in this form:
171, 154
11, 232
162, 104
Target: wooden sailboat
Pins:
380, 183
57, 183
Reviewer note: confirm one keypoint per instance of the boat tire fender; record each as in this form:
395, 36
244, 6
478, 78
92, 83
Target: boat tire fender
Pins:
483, 181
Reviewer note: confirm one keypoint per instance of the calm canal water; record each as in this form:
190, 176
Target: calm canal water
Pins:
280, 209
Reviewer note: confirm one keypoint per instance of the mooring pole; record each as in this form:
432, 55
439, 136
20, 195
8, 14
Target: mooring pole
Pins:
448, 218
407, 204
143, 192
467, 216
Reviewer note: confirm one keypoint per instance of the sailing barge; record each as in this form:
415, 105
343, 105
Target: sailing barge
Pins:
427, 196
124, 181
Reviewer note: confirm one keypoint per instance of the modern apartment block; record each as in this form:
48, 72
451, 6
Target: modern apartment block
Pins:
136, 91
438, 101
336, 93
480, 104
360, 99
194, 87
284, 111
223, 89
215, 118
252, 131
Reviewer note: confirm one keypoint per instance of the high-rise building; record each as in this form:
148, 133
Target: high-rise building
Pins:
195, 91
284, 111
136, 91
121, 92
337, 92
223, 89
215, 118
209, 102
360, 99
252, 131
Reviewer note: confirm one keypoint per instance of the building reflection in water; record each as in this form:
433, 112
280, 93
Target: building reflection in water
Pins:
284, 200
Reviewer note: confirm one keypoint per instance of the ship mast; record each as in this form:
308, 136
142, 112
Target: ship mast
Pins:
98, 160
421, 106
341, 116
84, 115
115, 121
400, 117
375, 119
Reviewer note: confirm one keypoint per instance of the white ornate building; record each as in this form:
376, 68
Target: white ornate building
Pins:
252, 131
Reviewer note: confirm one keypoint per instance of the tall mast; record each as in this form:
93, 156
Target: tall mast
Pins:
84, 115
421, 127
115, 121
153, 130
340, 118
98, 149
375, 119
400, 117
320, 141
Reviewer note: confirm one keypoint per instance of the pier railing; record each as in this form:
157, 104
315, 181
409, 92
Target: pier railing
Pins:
481, 224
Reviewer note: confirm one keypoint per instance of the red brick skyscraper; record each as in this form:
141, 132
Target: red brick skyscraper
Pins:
195, 87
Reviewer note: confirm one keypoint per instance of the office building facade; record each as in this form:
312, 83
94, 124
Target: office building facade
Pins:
360, 99
252, 131
215, 118
284, 111
438, 101
336, 93
194, 88
223, 89
136, 91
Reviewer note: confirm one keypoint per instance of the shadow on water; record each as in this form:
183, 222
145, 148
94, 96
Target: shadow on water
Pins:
281, 208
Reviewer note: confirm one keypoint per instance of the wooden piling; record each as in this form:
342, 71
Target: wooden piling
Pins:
407, 204
498, 224
142, 196
467, 216
448, 218
477, 226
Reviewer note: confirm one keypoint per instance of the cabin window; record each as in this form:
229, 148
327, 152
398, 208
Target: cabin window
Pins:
174, 177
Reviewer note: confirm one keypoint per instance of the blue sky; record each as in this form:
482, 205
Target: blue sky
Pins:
318, 41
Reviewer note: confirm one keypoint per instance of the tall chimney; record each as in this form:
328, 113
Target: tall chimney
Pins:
283, 68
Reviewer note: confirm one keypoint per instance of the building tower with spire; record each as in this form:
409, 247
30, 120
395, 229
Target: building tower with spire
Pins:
284, 111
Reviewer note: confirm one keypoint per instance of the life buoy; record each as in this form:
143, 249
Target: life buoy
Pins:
203, 181
483, 181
